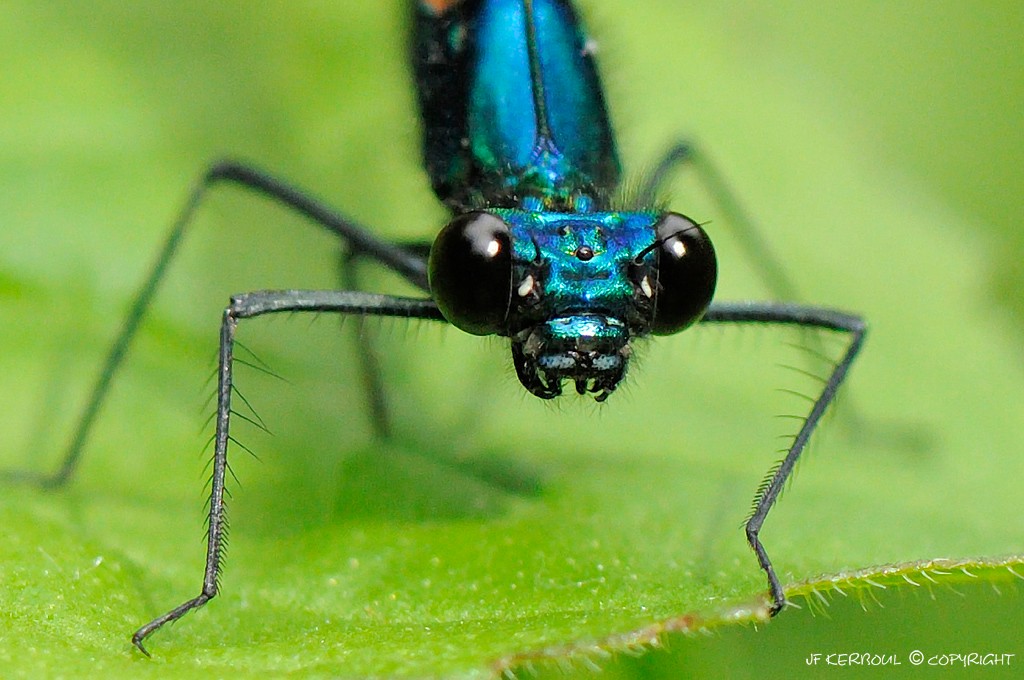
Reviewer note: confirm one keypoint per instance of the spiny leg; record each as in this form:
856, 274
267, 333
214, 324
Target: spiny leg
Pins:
807, 317
245, 307
409, 265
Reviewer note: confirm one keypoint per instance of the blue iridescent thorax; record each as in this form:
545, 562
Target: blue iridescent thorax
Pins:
518, 144
512, 105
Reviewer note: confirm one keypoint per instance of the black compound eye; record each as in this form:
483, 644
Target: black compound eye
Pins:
686, 273
470, 272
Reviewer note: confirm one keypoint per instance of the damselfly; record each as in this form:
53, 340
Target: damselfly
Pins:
518, 145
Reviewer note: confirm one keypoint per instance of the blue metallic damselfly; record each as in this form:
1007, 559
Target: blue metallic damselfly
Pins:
518, 145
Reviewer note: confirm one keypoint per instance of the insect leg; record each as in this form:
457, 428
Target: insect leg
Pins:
410, 265
245, 307
807, 317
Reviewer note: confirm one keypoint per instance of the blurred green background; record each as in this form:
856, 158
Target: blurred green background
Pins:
879, 146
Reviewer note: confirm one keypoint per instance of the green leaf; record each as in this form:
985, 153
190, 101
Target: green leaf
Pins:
496, 532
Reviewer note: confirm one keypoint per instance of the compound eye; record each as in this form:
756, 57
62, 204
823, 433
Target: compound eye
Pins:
470, 272
686, 272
